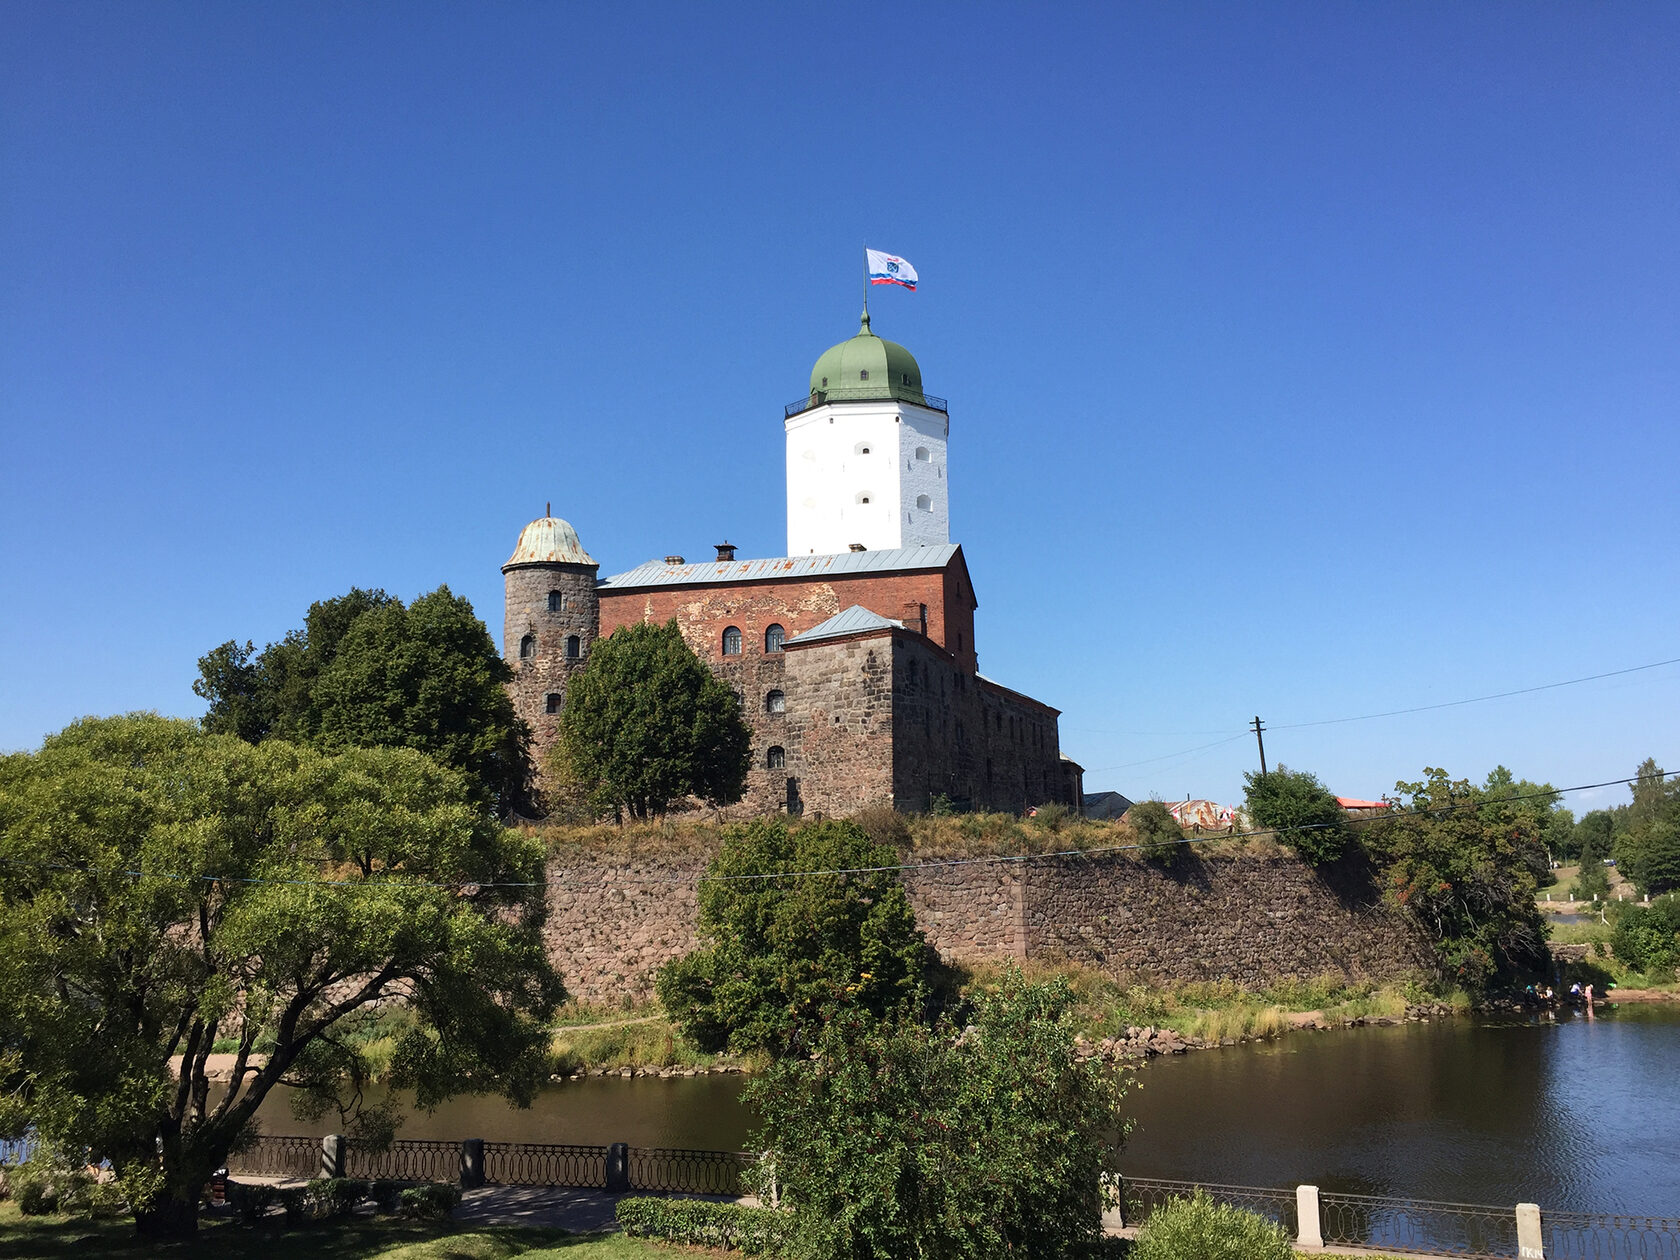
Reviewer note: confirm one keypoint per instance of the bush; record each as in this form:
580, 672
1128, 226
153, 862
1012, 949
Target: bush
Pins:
1159, 837
1197, 1228
1053, 816
335, 1196
386, 1196
1648, 938
701, 1223
1301, 810
251, 1202
294, 1202
431, 1202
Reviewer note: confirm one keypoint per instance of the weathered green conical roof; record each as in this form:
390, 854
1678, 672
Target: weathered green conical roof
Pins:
867, 366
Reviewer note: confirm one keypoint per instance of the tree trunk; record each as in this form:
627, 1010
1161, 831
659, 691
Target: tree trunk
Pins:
166, 1218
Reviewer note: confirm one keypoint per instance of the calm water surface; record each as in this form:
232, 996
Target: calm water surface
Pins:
1572, 1114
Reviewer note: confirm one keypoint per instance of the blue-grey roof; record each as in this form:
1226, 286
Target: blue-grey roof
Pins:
845, 564
854, 620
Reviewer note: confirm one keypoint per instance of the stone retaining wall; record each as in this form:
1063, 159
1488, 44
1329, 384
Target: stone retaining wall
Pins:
1251, 919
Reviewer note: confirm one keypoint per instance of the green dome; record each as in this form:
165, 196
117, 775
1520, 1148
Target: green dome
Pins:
867, 367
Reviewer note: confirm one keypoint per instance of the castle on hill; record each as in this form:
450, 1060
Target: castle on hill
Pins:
853, 655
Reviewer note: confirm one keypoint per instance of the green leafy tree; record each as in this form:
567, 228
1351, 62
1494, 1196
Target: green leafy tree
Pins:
1467, 872
366, 671
1159, 836
162, 888
646, 724
1649, 850
778, 955
1592, 881
1596, 828
979, 1138
1300, 809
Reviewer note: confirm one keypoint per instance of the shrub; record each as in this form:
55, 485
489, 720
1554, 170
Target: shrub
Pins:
335, 1196
1301, 810
1159, 837
1648, 938
701, 1223
431, 1202
1053, 816
36, 1196
294, 1202
884, 825
251, 1202
386, 1196
1197, 1228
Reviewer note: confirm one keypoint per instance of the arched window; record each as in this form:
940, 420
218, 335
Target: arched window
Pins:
574, 647
925, 503
527, 647
773, 637
921, 452
862, 448
732, 641
863, 496
775, 702
551, 702
776, 758
556, 602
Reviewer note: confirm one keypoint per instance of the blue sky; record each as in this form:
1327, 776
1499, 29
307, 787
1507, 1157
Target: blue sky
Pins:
1303, 360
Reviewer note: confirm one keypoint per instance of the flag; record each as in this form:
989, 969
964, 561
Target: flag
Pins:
889, 269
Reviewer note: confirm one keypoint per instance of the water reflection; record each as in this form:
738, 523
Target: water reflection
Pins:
1569, 1114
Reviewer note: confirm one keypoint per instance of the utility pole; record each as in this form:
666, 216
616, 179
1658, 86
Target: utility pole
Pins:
1257, 726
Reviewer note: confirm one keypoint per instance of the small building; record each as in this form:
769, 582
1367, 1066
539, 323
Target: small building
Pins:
1105, 805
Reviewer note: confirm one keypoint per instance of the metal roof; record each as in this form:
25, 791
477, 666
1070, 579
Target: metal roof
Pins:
548, 540
845, 564
854, 620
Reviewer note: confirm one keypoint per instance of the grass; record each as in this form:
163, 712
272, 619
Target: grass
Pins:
1220, 1010
650, 1045
72, 1238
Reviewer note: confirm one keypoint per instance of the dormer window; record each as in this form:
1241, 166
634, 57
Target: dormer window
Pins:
863, 375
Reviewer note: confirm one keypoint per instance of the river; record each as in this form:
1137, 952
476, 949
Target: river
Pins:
1573, 1114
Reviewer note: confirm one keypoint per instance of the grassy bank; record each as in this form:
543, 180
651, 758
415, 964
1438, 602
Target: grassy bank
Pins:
1601, 966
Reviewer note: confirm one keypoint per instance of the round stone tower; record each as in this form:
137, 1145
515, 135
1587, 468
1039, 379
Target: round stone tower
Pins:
551, 618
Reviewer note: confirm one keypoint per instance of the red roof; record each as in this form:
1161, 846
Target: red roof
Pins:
1349, 802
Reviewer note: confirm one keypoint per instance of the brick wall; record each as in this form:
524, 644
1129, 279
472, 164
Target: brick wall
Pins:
1255, 920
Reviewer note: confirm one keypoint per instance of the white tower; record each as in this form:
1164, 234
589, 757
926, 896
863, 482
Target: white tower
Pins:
866, 453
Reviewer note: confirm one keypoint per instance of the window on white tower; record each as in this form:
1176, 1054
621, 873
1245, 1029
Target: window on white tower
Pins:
923, 502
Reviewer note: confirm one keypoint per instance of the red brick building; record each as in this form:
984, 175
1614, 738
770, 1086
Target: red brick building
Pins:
856, 665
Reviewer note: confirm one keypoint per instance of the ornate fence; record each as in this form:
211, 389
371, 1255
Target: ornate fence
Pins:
278, 1157
1601, 1236
544, 1164
1417, 1226
688, 1172
403, 1161
1144, 1194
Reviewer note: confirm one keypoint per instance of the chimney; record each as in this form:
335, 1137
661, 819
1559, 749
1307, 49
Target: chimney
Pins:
675, 560
915, 617
726, 550
857, 547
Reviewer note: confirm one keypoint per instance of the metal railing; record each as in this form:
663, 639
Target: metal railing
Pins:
1417, 1226
544, 1164
409, 1160
688, 1172
1144, 1194
278, 1157
1604, 1236
865, 393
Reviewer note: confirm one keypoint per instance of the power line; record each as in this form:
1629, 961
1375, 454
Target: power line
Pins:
1498, 695
930, 864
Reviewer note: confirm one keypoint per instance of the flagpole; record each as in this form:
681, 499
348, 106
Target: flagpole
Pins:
866, 281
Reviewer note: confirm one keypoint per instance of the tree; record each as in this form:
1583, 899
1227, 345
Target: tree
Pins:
646, 724
163, 888
1300, 809
366, 671
979, 1138
1596, 828
1592, 881
1647, 938
779, 955
1159, 836
1649, 850
1467, 872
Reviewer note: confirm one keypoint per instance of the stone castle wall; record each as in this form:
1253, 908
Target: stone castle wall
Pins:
1255, 920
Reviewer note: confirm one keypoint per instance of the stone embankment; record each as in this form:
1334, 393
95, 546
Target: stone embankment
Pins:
1150, 1042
